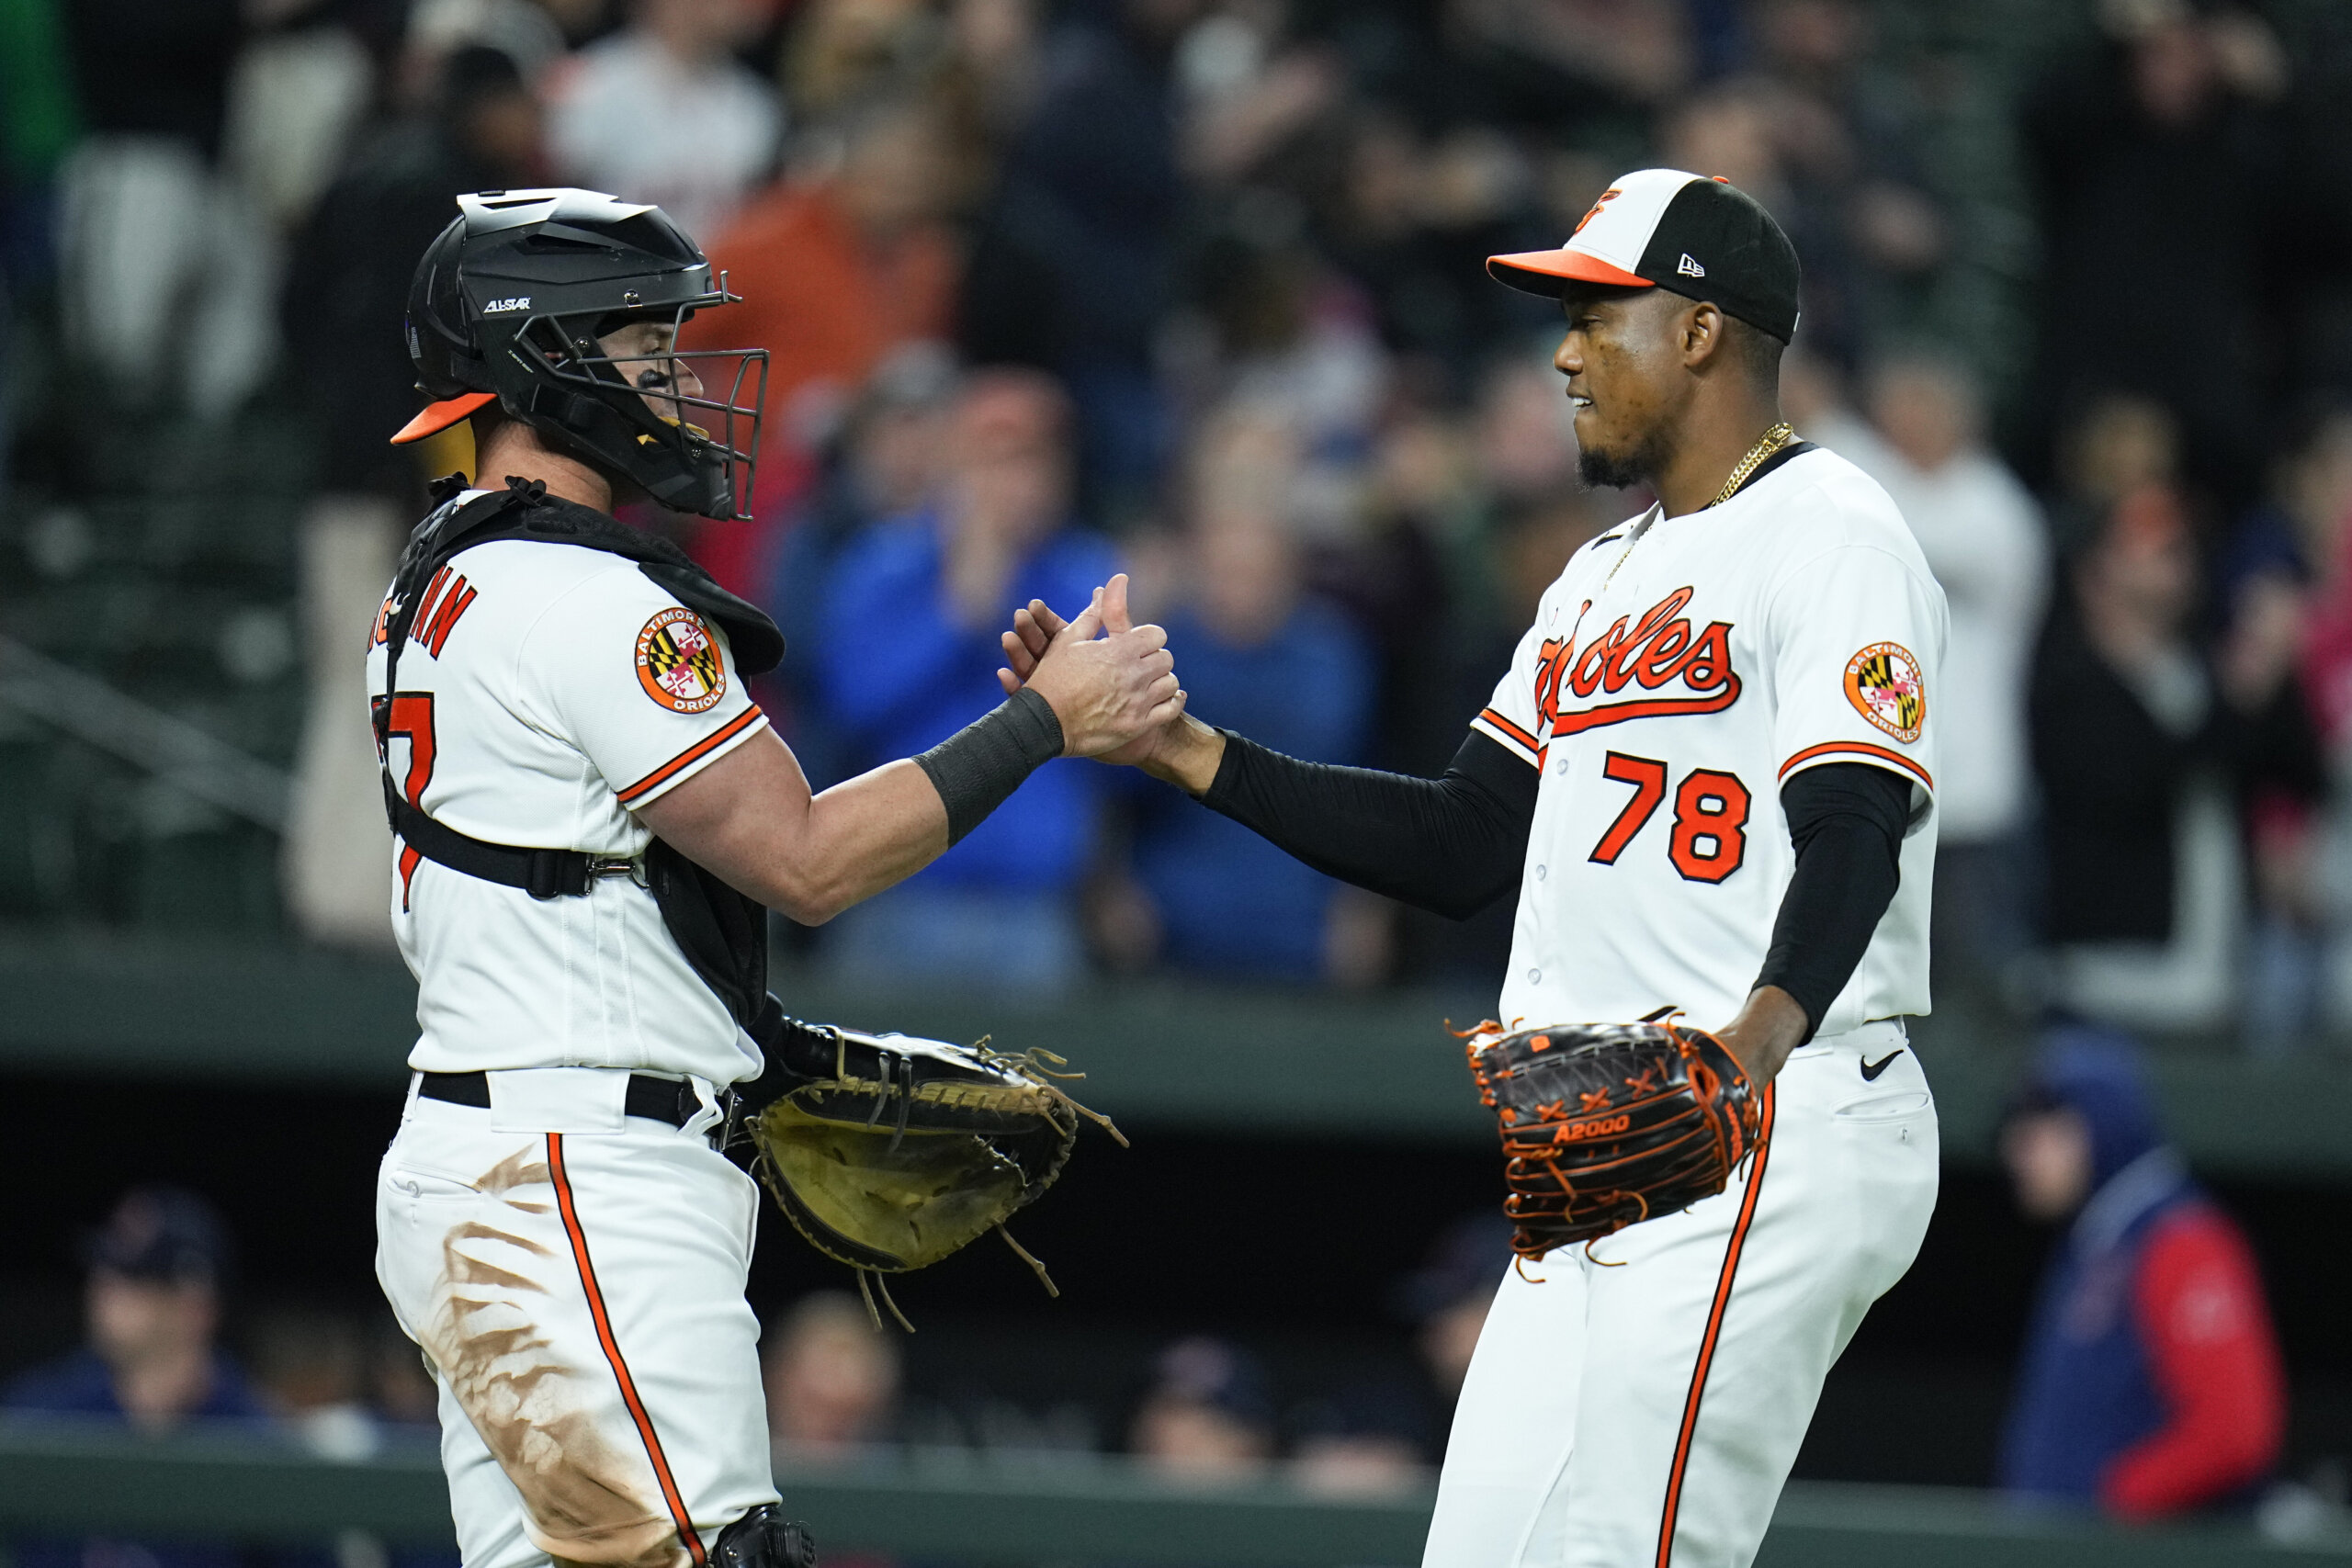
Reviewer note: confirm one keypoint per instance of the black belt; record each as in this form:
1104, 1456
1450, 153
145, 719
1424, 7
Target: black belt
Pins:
671, 1100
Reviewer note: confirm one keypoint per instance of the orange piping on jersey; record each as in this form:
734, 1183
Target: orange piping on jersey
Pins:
1648, 708
1714, 1330
1865, 748
692, 753
1512, 730
595, 1295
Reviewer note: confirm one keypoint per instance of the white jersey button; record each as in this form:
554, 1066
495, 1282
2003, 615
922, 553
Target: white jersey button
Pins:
1541, 872
1535, 977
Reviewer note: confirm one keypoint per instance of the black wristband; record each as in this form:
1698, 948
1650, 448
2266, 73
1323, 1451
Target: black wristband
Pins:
982, 764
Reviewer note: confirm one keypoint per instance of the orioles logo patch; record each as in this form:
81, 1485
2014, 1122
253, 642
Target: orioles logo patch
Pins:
1882, 683
677, 662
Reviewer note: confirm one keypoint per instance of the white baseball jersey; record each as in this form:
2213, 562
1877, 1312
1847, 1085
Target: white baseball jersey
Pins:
1679, 673
546, 691
1641, 1401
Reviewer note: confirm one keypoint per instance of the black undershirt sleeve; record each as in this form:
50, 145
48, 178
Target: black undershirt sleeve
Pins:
1847, 821
1452, 845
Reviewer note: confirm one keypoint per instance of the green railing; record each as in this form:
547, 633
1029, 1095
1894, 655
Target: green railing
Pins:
1018, 1513
1157, 1054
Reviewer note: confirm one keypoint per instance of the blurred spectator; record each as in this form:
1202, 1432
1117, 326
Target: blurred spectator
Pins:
1822, 122
346, 283
909, 657
158, 1269
2125, 712
1287, 338
884, 461
1410, 218
526, 31
1073, 263
839, 269
1208, 1416
345, 297
1365, 1443
167, 265
662, 112
1526, 441
832, 1379
312, 1366
1448, 1297
399, 1388
1984, 540
2176, 111
2284, 598
2151, 1382
298, 92
1255, 650
839, 51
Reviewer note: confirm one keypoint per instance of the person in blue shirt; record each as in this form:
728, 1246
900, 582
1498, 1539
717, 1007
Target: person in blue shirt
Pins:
912, 609
2151, 1382
157, 1270
1292, 670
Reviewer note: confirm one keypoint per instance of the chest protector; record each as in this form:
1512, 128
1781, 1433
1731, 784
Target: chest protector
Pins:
722, 933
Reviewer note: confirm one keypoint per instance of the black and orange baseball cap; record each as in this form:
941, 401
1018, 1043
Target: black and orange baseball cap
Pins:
1704, 239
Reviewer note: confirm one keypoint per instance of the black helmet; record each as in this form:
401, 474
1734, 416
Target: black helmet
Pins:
508, 304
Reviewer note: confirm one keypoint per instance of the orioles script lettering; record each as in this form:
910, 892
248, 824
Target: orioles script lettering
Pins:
1658, 663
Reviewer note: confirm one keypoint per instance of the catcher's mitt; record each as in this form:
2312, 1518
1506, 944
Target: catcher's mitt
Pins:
896, 1152
1604, 1124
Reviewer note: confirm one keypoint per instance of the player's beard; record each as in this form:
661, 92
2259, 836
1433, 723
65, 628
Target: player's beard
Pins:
1632, 466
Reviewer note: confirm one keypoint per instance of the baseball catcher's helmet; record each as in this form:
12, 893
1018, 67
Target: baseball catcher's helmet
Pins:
508, 305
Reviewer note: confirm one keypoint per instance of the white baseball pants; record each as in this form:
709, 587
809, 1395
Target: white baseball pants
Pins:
1640, 1407
575, 1277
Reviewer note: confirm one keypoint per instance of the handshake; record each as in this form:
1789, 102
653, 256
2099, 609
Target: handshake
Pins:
1112, 686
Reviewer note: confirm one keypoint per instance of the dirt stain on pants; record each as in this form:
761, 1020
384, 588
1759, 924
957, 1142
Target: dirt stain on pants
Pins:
586, 1499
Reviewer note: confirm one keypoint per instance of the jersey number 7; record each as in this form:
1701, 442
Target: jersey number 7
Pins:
1710, 836
408, 714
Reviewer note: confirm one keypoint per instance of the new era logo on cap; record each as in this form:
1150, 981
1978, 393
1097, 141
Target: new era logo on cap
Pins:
1704, 239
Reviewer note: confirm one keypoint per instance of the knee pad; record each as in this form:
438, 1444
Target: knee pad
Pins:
763, 1539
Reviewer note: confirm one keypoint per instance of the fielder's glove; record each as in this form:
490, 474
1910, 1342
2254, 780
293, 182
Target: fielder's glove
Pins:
888, 1153
1604, 1124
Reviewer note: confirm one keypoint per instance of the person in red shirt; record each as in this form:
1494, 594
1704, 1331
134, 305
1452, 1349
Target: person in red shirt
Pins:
836, 271
2151, 1382
839, 269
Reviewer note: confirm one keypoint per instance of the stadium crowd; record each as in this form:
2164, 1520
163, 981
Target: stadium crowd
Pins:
1194, 289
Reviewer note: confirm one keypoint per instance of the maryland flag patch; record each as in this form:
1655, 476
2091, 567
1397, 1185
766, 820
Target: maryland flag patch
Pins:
1883, 683
677, 662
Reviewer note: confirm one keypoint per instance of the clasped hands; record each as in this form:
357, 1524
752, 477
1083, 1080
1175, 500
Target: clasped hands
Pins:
1166, 742
1109, 682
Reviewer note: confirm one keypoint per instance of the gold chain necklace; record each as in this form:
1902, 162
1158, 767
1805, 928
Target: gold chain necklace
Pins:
1771, 440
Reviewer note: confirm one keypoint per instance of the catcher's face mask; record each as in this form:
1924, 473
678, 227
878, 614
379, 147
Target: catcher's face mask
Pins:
564, 306
690, 434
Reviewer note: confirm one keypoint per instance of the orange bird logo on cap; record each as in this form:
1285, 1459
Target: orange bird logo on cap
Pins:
1606, 196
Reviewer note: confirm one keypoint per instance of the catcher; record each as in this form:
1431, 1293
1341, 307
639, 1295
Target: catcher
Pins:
589, 812
1709, 774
